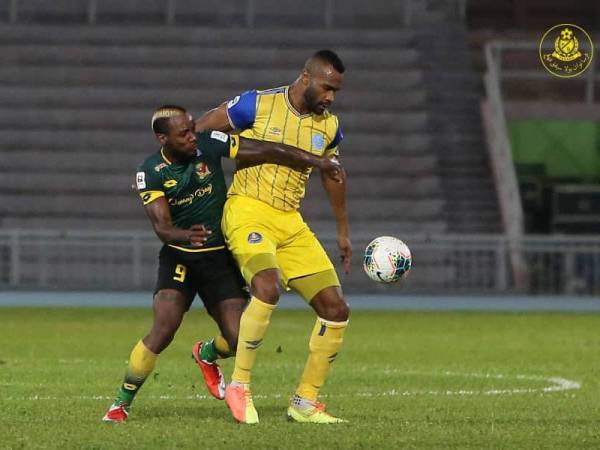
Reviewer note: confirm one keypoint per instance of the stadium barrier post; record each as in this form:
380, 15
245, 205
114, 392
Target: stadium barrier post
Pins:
408, 10
170, 12
328, 19
589, 84
136, 263
501, 275
15, 258
250, 12
91, 11
14, 11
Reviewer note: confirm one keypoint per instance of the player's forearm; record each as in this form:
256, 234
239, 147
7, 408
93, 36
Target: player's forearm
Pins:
170, 234
341, 219
337, 200
254, 151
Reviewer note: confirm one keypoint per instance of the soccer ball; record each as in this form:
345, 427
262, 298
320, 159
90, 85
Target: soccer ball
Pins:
387, 259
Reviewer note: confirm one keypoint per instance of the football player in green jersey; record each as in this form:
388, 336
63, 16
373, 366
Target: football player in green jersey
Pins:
183, 190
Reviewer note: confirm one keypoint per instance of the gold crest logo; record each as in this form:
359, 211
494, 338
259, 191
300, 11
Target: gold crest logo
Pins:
202, 170
566, 50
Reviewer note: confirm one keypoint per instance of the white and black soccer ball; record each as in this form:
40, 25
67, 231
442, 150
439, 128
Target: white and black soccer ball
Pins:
387, 259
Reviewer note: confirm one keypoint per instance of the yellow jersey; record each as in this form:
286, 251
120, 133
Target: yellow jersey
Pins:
269, 116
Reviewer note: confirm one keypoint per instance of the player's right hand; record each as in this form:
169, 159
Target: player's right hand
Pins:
199, 234
332, 168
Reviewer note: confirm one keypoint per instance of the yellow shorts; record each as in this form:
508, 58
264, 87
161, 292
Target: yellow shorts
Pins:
262, 237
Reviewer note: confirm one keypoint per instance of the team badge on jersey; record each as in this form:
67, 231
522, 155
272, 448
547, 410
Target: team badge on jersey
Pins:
254, 238
318, 141
202, 170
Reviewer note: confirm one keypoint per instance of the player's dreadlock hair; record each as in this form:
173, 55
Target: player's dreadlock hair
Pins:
329, 57
160, 118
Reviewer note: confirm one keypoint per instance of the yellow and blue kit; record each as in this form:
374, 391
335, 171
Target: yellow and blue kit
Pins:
261, 222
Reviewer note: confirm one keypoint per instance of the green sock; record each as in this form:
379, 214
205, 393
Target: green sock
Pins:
128, 390
141, 363
209, 351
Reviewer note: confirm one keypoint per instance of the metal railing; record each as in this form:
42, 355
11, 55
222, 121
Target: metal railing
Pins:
247, 8
494, 55
250, 10
503, 168
494, 120
95, 260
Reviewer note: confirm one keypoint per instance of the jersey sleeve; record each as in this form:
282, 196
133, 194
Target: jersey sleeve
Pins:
241, 110
216, 144
149, 185
332, 148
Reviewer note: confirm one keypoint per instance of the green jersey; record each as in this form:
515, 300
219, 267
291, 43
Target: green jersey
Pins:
195, 190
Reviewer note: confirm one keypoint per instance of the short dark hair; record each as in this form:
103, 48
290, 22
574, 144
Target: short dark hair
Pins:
161, 116
330, 57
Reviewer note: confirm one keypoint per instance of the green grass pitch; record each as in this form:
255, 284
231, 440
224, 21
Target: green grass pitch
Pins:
403, 380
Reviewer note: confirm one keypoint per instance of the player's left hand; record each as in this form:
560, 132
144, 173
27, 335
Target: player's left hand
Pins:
332, 168
345, 247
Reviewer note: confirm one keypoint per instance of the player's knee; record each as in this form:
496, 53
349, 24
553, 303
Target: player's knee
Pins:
266, 286
159, 339
337, 312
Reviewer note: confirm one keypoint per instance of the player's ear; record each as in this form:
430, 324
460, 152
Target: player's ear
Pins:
305, 77
162, 138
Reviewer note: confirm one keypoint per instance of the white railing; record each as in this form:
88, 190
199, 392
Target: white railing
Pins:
498, 143
100, 260
503, 168
248, 7
251, 9
494, 55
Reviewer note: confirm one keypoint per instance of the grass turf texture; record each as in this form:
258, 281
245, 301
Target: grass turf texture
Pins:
60, 368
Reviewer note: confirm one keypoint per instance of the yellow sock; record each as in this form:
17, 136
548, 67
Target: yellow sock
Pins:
141, 361
222, 347
141, 364
325, 342
253, 326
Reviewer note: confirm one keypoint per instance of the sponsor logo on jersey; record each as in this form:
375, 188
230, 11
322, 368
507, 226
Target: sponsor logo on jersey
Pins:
140, 180
219, 136
170, 183
254, 237
202, 170
275, 131
318, 141
150, 196
189, 199
160, 166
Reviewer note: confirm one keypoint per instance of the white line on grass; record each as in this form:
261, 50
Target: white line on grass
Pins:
556, 384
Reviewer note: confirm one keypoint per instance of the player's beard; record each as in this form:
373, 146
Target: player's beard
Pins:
183, 154
312, 102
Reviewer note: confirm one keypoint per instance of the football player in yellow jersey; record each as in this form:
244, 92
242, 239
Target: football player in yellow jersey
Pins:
268, 237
